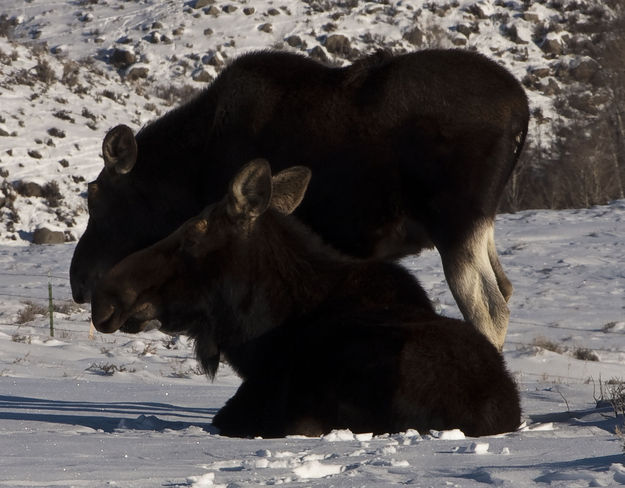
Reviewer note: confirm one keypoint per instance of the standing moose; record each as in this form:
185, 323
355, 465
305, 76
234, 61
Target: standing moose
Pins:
407, 152
321, 341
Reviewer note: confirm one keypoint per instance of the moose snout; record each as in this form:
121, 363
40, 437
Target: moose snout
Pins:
117, 307
103, 315
80, 283
108, 304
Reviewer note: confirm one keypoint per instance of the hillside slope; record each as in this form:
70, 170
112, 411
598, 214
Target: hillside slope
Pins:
72, 69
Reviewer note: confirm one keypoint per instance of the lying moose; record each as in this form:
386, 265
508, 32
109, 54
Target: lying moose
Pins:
321, 340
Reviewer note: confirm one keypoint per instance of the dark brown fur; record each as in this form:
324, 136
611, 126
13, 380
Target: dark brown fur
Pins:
407, 152
322, 341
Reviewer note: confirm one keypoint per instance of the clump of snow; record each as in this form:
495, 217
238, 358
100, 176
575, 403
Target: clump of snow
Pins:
315, 469
203, 481
449, 435
478, 448
339, 435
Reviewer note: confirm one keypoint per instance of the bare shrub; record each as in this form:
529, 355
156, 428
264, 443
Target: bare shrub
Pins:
66, 307
109, 369
580, 169
548, 345
620, 433
7, 26
23, 339
10, 215
180, 369
30, 312
609, 326
54, 132
176, 94
44, 72
328, 5
5, 58
88, 114
52, 194
110, 94
71, 72
616, 395
22, 77
585, 354
612, 392
518, 193
64, 115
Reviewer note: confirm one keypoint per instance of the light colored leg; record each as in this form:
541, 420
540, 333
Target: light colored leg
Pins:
505, 286
474, 285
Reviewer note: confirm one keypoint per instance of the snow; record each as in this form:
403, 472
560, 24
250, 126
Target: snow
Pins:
314, 469
132, 410
478, 448
449, 435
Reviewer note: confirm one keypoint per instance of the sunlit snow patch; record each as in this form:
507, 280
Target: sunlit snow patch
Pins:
314, 469
341, 435
448, 435
478, 448
533, 427
203, 481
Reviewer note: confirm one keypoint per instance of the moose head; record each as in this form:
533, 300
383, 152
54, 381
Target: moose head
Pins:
195, 278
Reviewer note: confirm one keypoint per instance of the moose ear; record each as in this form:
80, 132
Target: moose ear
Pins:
119, 149
250, 191
289, 188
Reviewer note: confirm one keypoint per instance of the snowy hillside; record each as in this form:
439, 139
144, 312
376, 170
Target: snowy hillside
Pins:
72, 69
133, 411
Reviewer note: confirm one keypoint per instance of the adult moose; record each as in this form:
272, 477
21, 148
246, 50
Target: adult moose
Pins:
407, 152
322, 341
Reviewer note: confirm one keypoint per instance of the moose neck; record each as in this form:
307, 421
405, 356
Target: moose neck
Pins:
174, 147
289, 272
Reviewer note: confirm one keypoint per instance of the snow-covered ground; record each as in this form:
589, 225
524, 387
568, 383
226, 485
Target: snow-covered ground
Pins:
132, 411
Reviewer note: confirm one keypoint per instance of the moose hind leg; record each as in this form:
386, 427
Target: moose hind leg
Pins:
503, 282
475, 283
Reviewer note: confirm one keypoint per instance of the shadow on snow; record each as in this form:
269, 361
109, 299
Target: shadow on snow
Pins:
107, 417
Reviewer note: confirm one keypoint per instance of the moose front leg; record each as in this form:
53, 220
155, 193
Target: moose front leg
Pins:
271, 408
244, 415
258, 409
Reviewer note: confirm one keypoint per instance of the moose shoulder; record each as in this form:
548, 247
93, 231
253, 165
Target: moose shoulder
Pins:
406, 151
321, 341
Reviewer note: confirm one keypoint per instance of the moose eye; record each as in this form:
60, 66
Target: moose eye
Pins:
193, 234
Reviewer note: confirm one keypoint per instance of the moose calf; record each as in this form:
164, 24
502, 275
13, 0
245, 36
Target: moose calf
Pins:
322, 341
